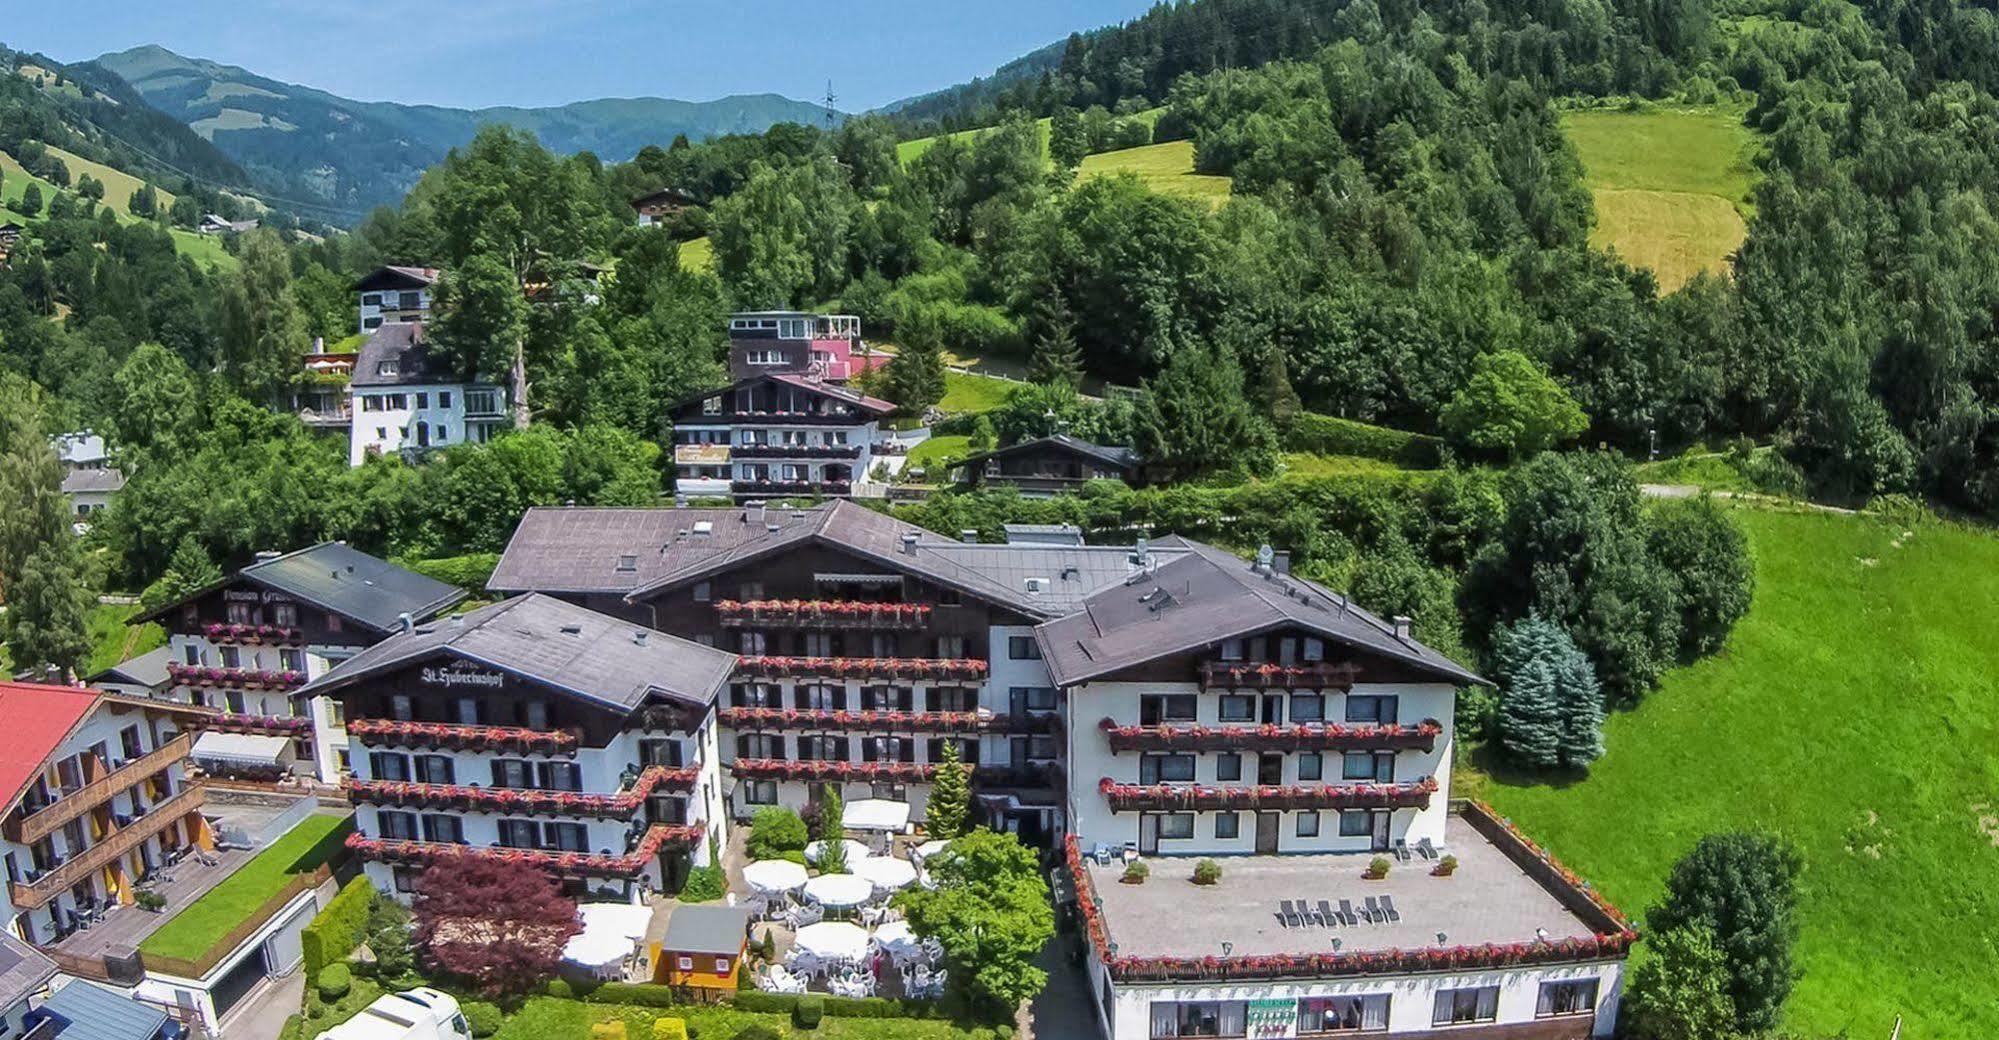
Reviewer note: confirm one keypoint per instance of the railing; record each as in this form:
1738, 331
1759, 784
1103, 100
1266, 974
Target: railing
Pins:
252, 635
247, 678
796, 451
1254, 676
817, 770
464, 797
1170, 797
439, 735
274, 725
100, 855
575, 864
791, 487
823, 613
885, 721
32, 827
195, 968
1295, 737
840, 418
955, 669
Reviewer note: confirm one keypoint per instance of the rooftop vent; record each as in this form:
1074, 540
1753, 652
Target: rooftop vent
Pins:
771, 526
267, 555
628, 562
1402, 625
1264, 556
1281, 562
1141, 553
1037, 584
639, 637
969, 535
572, 629
909, 543
407, 623
704, 527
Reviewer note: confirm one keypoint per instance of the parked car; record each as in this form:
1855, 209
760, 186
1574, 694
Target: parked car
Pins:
418, 1014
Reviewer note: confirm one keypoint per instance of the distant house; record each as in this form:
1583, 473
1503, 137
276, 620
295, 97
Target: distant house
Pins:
391, 294
1048, 466
143, 676
321, 399
405, 398
660, 206
89, 481
24, 974
10, 236
87, 1011
704, 946
774, 434
211, 224
81, 450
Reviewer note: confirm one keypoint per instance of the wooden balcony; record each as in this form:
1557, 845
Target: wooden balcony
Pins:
758, 719
1252, 675
1312, 736
104, 853
28, 829
643, 852
932, 669
470, 798
1189, 797
828, 614
443, 735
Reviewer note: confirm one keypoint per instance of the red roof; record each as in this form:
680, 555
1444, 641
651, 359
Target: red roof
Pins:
37, 719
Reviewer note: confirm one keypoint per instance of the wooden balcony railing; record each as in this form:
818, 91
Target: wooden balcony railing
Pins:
1252, 675
821, 613
97, 857
885, 721
932, 668
440, 735
566, 864
466, 798
30, 828
1182, 797
1310, 736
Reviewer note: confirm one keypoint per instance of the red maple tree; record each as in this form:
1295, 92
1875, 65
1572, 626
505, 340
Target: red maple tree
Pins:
500, 926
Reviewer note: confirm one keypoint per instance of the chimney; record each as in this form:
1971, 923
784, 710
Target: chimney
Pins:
407, 623
1281, 561
639, 637
969, 535
1264, 557
679, 500
753, 510
1402, 623
909, 543
1141, 554
319, 344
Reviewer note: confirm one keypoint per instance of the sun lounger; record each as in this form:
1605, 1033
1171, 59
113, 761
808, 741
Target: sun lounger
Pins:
1329, 916
1402, 849
1388, 907
1347, 914
1373, 910
1428, 850
1290, 916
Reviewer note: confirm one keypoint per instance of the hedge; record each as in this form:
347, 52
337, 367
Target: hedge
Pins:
1329, 435
470, 572
839, 1007
334, 981
338, 929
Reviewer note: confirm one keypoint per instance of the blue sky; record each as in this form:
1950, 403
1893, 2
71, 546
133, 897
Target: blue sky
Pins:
473, 53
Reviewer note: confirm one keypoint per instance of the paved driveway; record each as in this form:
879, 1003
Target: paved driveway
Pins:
1065, 1009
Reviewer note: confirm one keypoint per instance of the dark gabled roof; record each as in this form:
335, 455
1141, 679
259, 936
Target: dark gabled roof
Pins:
707, 929
835, 391
674, 195
594, 656
1207, 595
336, 577
1121, 458
93, 1012
24, 970
83, 481
147, 669
403, 343
393, 277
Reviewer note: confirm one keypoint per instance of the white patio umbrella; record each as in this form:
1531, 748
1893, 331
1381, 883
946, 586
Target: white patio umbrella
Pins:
611, 932
836, 891
855, 850
884, 872
832, 940
895, 935
771, 876
876, 814
932, 848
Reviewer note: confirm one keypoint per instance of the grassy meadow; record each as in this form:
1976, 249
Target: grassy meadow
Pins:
118, 187
1671, 185
1854, 713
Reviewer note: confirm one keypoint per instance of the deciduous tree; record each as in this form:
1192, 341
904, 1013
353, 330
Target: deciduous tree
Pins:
991, 913
263, 332
1511, 406
1680, 991
1741, 886
500, 926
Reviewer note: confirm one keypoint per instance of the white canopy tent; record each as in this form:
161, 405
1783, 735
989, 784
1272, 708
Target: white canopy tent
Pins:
932, 848
884, 872
837, 891
832, 940
855, 850
771, 876
876, 814
895, 936
611, 932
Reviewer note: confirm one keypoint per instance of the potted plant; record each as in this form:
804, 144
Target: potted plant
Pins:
147, 899
1377, 868
1207, 872
1136, 872
1445, 867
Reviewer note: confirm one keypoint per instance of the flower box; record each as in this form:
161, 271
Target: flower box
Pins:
797, 613
467, 798
1182, 797
1320, 675
237, 632
395, 733
921, 668
280, 725
426, 853
235, 678
1312, 736
866, 721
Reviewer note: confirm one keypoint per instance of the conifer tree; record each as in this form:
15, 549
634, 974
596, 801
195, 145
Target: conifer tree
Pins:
950, 796
916, 376
832, 829
1581, 705
1530, 724
46, 605
1051, 338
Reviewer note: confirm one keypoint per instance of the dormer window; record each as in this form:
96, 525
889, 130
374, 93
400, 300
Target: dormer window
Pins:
794, 328
628, 563
385, 368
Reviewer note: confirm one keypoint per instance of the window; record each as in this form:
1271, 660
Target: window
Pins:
1568, 997
1037, 698
512, 772
1176, 825
1311, 766
759, 745
1364, 1014
1040, 748
1228, 825
1308, 707
950, 647
284, 614
686, 963
1378, 710
760, 792
191, 654
566, 837
410, 301
1171, 769
406, 878
1157, 708
232, 657
711, 406
388, 765
1459, 1006
397, 826
434, 769
721, 965
291, 660
1355, 823
1308, 824
822, 748
559, 776
1023, 648
1228, 767
1238, 708
444, 398
129, 744
423, 399
1315, 649
519, 834
1368, 765
1199, 1018
821, 698
400, 708
820, 644
442, 828
1231, 649
702, 591
371, 299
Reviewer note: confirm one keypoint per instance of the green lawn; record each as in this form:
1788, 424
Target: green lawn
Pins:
208, 920
1671, 185
971, 393
1165, 168
930, 453
1854, 712
112, 640
14, 180
698, 254
1303, 465
547, 1018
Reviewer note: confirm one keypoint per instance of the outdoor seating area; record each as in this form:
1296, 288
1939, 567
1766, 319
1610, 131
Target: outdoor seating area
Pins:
611, 945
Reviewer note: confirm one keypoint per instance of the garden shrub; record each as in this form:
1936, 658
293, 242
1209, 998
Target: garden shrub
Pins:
336, 930
1378, 867
334, 981
811, 1008
484, 1018
775, 830
637, 994
1136, 872
1207, 872
1329, 435
669, 1029
757, 1032
608, 1031
704, 885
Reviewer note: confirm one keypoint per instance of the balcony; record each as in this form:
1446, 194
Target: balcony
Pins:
819, 613
1296, 737
438, 736
263, 725
32, 827
225, 632
949, 669
1249, 675
884, 721
818, 771
469, 798
568, 864
46, 887
1184, 797
791, 487
835, 418
237, 678
796, 451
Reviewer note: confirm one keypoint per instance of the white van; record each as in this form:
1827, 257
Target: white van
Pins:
418, 1014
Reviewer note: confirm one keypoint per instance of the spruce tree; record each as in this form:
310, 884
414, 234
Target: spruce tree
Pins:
950, 796
916, 376
1051, 338
1530, 723
1195, 421
46, 605
1581, 705
832, 830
